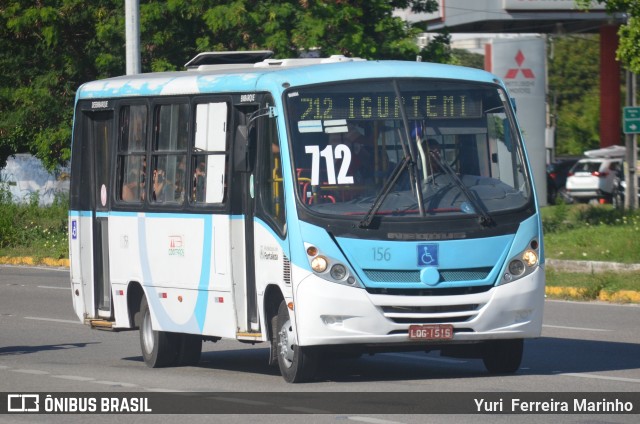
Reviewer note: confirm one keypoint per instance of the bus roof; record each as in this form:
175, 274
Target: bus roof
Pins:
270, 75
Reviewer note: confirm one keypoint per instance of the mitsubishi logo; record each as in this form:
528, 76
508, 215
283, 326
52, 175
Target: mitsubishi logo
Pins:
513, 72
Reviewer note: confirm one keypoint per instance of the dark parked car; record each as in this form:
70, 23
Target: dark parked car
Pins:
557, 180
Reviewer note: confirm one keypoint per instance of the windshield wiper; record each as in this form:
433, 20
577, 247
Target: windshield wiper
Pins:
483, 215
386, 189
407, 161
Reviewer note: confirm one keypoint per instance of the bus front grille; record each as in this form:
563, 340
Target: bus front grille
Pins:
444, 314
399, 276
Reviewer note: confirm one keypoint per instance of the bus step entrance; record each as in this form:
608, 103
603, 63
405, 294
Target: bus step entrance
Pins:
100, 324
245, 335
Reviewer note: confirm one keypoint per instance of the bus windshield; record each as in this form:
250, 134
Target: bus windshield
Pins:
406, 148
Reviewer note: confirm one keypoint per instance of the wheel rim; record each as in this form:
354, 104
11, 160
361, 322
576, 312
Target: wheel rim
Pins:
147, 333
284, 349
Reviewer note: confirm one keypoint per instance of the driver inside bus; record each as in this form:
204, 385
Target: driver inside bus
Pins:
361, 166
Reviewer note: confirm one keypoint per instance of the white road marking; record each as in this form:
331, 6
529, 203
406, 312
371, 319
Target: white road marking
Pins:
575, 328
73, 377
66, 321
54, 287
601, 377
34, 372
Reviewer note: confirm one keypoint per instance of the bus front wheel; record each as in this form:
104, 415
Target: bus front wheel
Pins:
297, 364
503, 356
158, 347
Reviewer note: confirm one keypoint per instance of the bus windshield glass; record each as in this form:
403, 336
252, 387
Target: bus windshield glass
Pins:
406, 149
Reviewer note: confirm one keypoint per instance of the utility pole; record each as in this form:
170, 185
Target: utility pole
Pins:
132, 30
631, 192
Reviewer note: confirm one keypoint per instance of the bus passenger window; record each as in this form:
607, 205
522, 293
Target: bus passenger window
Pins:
208, 163
168, 178
208, 183
131, 153
169, 156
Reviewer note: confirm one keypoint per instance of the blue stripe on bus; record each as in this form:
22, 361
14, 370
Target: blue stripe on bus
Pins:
205, 274
80, 213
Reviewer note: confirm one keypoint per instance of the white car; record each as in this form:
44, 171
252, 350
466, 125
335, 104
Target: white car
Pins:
593, 179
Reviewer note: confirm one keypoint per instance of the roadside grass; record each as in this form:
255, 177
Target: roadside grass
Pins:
593, 233
27, 229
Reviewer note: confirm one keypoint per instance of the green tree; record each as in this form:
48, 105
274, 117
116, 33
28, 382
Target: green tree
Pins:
464, 57
574, 92
49, 47
629, 49
362, 28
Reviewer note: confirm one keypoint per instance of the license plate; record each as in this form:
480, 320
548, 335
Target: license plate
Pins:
431, 332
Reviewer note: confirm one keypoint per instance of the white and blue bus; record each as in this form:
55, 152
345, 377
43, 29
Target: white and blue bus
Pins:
323, 206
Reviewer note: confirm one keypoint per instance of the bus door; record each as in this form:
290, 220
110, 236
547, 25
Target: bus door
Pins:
90, 196
264, 217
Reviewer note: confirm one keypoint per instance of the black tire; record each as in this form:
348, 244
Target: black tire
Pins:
503, 356
159, 348
297, 364
189, 349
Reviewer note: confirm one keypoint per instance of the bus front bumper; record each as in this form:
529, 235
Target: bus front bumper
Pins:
333, 314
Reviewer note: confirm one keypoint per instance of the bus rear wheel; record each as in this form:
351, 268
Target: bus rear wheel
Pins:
158, 347
297, 364
503, 356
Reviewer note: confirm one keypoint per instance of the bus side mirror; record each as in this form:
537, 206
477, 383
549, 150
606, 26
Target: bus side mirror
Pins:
242, 149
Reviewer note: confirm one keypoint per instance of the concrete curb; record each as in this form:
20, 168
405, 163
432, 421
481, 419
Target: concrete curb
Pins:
590, 267
581, 293
574, 293
27, 260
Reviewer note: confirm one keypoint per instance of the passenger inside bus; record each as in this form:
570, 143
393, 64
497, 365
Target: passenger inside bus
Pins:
162, 190
199, 186
133, 189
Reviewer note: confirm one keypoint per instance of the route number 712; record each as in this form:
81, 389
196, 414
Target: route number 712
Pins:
341, 152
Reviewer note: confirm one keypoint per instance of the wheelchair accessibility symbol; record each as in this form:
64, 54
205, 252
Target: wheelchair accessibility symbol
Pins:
427, 255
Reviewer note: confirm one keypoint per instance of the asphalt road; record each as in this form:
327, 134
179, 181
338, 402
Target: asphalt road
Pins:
585, 347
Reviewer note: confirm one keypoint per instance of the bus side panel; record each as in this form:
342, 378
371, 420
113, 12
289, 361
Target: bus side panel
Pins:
184, 272
272, 266
81, 259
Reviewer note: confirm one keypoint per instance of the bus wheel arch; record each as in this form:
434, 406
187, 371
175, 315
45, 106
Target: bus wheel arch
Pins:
272, 299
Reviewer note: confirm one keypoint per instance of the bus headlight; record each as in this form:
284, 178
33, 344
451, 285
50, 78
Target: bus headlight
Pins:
516, 267
319, 264
330, 269
522, 264
530, 257
338, 272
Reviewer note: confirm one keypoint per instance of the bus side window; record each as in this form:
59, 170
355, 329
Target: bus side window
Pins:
131, 153
208, 163
169, 153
